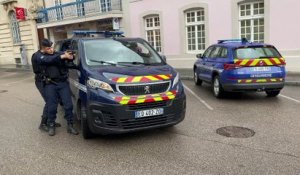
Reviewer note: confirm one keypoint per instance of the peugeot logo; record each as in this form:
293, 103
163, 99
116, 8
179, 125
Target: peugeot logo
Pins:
261, 62
147, 89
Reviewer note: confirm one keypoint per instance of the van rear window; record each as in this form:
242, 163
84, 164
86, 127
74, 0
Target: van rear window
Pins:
256, 52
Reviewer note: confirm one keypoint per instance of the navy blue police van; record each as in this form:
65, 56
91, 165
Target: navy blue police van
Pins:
121, 84
240, 65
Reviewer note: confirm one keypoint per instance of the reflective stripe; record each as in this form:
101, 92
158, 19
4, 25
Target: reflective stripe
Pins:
268, 62
137, 79
121, 80
276, 60
255, 62
264, 80
259, 62
244, 62
125, 100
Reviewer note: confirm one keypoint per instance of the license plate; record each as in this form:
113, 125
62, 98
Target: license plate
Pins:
261, 69
148, 113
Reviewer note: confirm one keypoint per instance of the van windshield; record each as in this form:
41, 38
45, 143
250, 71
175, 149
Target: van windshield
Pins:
256, 52
119, 52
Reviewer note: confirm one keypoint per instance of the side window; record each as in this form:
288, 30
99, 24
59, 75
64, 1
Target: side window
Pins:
207, 52
223, 53
215, 52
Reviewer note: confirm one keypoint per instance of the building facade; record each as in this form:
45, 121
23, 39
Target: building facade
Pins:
60, 18
18, 38
180, 29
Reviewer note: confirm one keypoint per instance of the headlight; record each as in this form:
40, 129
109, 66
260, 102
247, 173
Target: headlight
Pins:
176, 80
95, 84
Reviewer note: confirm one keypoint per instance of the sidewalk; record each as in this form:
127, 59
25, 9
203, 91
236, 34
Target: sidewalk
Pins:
13, 67
292, 78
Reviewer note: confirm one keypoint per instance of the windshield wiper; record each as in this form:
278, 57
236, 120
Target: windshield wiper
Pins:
135, 63
103, 62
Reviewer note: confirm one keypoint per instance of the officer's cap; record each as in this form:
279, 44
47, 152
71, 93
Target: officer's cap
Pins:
46, 43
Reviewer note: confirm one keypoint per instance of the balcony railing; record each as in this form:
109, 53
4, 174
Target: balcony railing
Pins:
78, 9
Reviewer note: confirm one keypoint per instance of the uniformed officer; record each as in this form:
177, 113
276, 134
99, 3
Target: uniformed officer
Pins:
57, 86
39, 70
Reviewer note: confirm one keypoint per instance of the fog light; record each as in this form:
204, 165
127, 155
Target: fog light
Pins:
97, 116
98, 121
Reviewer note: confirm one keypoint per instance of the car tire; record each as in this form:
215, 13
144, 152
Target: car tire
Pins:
272, 93
86, 132
217, 87
197, 81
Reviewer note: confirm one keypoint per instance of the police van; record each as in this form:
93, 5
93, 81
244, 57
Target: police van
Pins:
122, 84
240, 65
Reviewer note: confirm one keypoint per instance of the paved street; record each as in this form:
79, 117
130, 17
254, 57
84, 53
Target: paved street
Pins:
191, 147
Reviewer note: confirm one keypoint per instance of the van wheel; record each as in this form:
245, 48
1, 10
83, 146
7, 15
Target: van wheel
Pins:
86, 132
272, 93
196, 79
217, 87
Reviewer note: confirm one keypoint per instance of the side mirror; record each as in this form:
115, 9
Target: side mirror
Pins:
199, 56
164, 58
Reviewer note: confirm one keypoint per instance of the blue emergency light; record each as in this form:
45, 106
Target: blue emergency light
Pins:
88, 33
243, 40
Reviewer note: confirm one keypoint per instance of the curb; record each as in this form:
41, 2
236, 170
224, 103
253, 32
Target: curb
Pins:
288, 83
292, 83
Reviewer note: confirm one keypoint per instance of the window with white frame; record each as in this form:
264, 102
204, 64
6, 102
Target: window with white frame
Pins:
105, 5
14, 24
152, 28
80, 8
195, 30
59, 11
251, 19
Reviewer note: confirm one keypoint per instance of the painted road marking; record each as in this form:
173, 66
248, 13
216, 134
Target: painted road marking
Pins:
198, 98
290, 98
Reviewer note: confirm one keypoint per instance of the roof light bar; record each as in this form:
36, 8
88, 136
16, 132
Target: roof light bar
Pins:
243, 40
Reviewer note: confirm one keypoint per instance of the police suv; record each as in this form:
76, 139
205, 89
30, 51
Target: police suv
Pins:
239, 65
122, 84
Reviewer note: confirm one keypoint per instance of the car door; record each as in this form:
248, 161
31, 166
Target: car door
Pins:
203, 69
210, 63
74, 73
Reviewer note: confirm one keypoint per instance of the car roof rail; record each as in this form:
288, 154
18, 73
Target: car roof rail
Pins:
243, 41
90, 33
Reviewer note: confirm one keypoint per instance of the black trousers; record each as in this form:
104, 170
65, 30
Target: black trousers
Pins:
40, 86
55, 91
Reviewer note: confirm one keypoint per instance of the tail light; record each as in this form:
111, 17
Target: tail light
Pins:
231, 66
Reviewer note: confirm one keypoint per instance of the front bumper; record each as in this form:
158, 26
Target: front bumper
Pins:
253, 86
117, 119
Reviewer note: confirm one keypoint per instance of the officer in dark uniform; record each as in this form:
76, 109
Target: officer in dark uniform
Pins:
57, 86
39, 70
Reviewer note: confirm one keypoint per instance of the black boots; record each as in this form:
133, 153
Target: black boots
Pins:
72, 130
50, 128
43, 126
51, 131
57, 125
